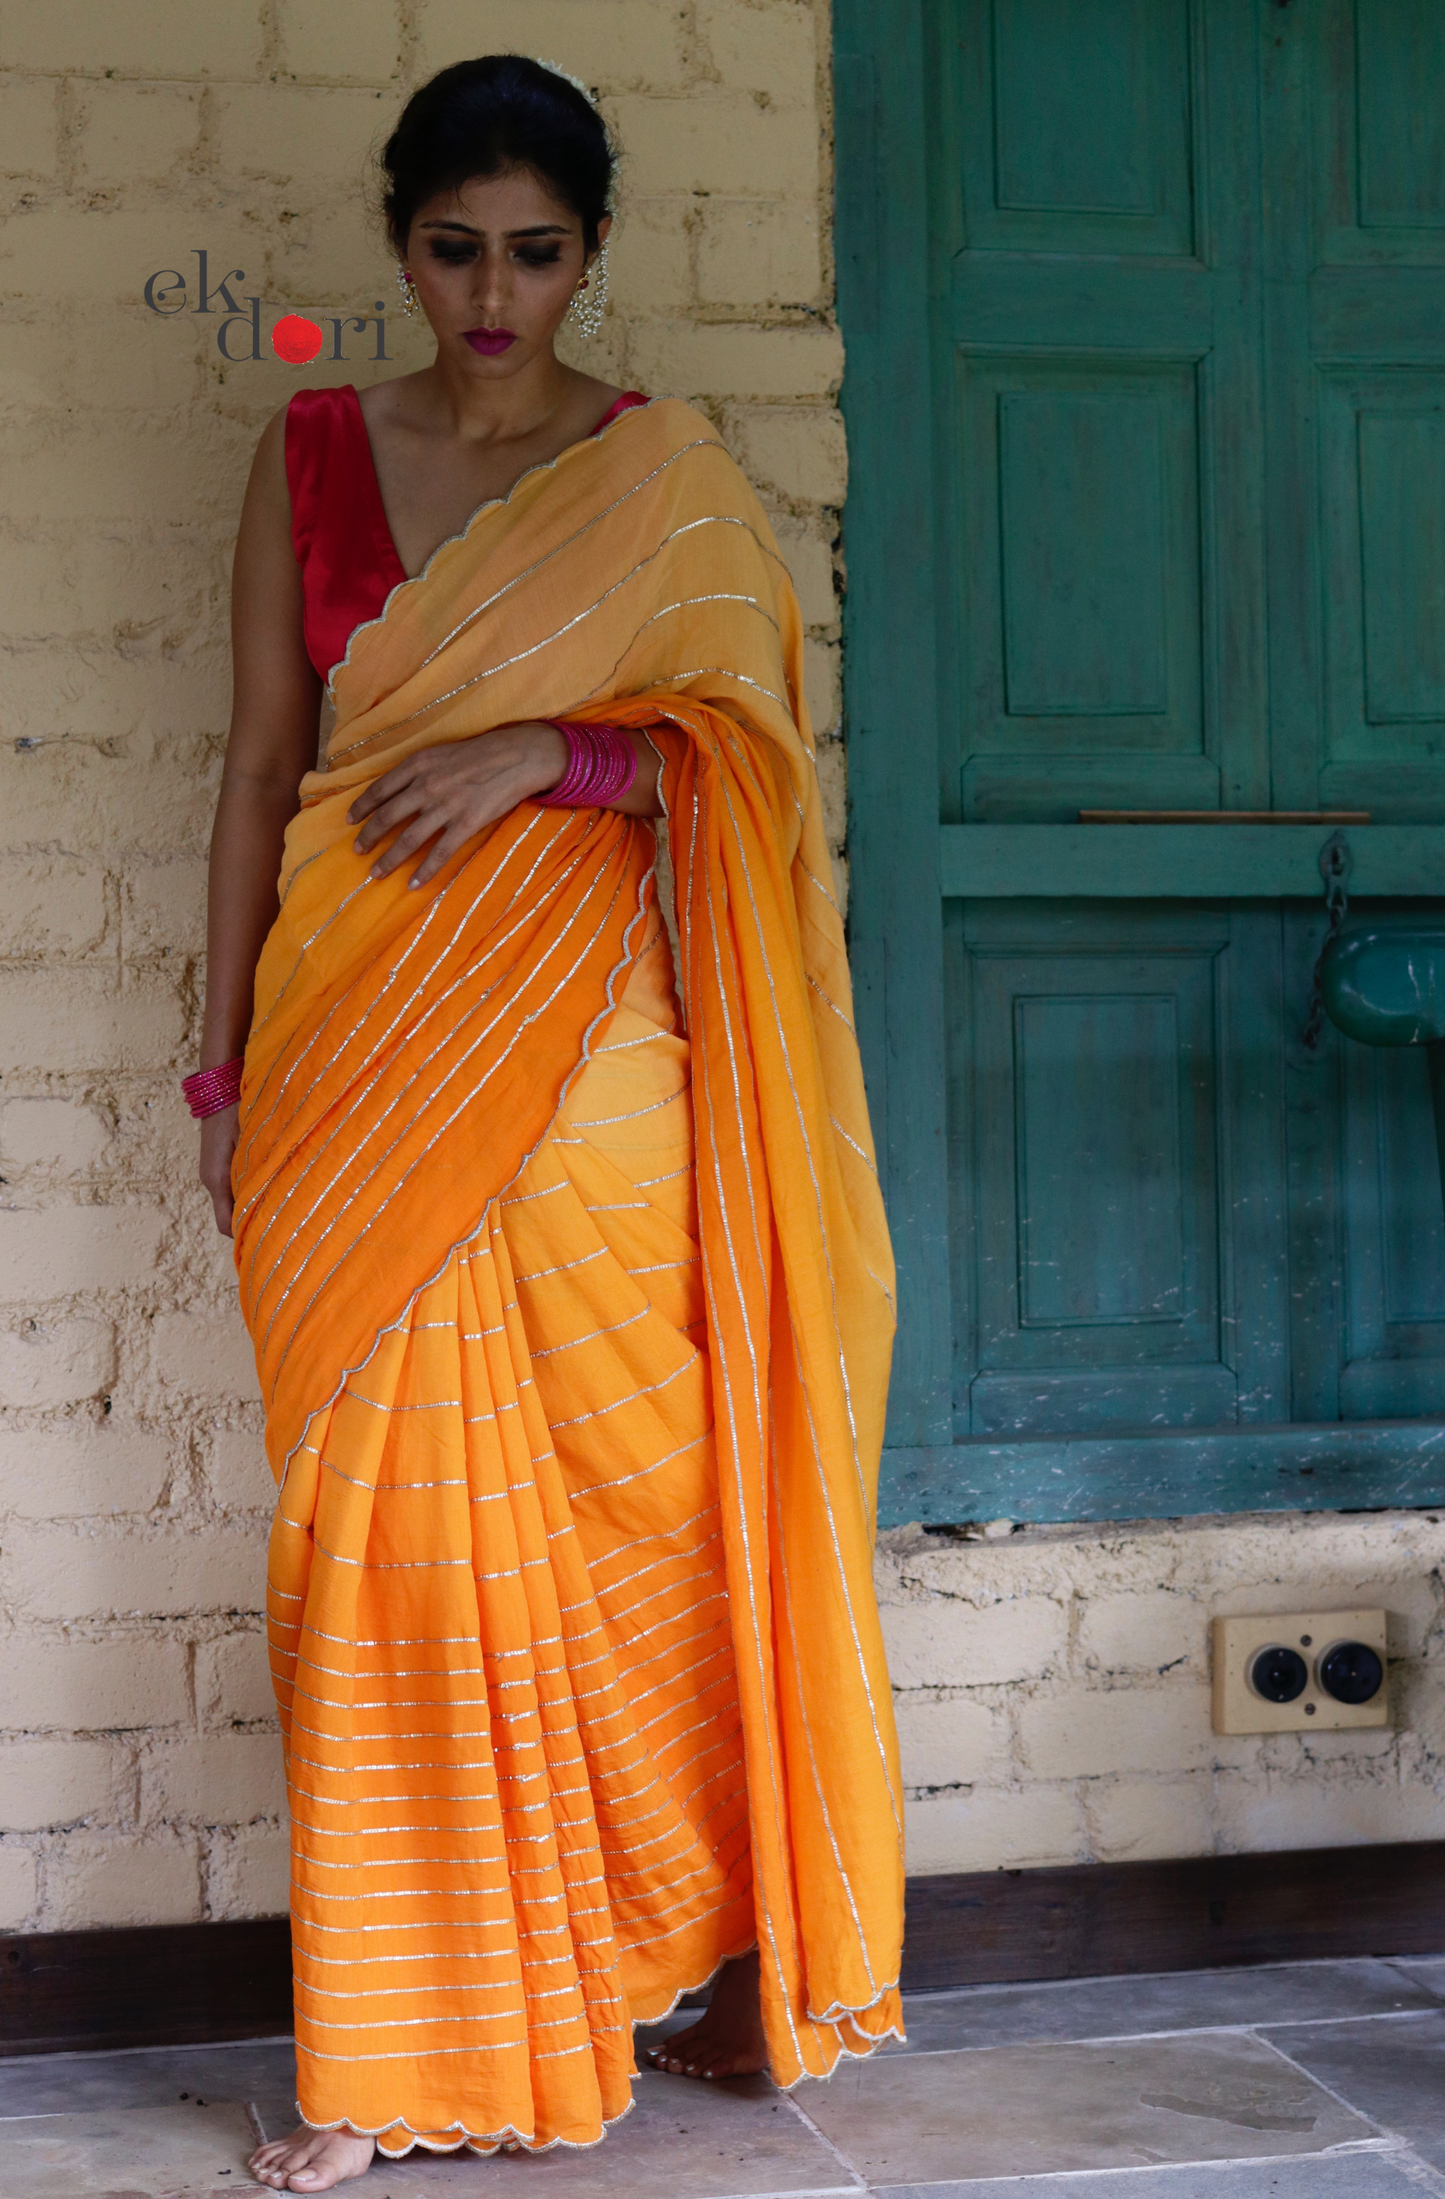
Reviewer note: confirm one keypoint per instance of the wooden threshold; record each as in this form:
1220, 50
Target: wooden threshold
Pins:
1224, 816
183, 1984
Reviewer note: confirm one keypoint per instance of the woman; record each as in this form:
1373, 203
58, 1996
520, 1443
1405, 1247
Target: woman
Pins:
570, 1304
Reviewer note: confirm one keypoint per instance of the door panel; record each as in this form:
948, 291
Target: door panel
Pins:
1084, 141
1357, 392
1097, 1108
1104, 651
1382, 446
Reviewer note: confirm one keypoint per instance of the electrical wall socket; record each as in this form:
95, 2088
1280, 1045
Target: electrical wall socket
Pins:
1237, 1709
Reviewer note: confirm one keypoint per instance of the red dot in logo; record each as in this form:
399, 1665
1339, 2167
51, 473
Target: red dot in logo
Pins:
295, 339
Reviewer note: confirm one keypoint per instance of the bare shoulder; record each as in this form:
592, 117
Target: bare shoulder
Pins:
397, 401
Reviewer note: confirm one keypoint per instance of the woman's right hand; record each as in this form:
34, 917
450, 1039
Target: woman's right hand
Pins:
218, 1146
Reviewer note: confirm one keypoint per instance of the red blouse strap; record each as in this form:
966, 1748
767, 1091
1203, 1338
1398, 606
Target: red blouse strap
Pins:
339, 528
625, 403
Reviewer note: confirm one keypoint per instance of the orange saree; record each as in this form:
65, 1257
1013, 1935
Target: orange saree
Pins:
572, 1311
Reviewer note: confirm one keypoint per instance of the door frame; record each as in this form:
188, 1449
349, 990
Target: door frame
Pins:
902, 862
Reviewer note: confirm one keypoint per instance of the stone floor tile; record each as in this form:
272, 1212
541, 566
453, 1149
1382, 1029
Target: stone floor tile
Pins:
60, 2084
1424, 1970
1186, 2000
1392, 2071
1350, 2175
159, 2152
1035, 2110
681, 2141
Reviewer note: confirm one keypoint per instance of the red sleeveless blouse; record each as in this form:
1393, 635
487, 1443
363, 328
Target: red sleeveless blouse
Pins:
349, 562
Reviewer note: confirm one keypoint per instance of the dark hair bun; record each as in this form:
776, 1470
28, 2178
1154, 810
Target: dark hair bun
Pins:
484, 117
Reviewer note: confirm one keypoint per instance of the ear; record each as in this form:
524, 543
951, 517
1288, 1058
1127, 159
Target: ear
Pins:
603, 227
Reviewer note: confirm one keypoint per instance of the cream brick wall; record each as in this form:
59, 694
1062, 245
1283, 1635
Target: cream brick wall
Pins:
1054, 1700
1052, 1686
139, 1765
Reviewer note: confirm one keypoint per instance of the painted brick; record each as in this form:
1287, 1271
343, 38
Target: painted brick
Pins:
56, 1362
753, 253
724, 143
640, 43
233, 1679
994, 1828
1096, 1732
163, 910
213, 1779
248, 1873
69, 1019
823, 686
950, 1644
83, 1470
123, 1880
110, 250
798, 454
130, 1682
770, 49
59, 1137
133, 133
130, 1570
51, 905
686, 360
833, 784
127, 478
19, 1885
48, 1784
365, 50
809, 560
950, 1740
238, 1477
291, 132
649, 256
54, 1251
1141, 1632
203, 1354
1150, 1817
29, 129
165, 38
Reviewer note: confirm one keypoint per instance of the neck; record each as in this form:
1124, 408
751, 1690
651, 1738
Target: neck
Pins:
484, 409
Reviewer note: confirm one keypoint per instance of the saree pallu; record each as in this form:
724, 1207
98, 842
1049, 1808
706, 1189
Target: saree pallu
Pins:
572, 1310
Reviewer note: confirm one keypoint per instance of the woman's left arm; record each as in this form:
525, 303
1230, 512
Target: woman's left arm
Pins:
448, 795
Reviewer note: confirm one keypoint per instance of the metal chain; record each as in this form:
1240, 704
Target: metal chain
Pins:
1336, 863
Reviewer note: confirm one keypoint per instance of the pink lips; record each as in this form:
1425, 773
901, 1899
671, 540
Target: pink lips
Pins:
489, 341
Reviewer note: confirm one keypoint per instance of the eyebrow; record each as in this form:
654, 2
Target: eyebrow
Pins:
468, 229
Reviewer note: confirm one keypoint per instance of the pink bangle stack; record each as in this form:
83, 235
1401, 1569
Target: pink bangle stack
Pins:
601, 765
209, 1090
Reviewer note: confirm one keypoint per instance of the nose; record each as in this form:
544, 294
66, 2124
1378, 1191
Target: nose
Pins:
492, 286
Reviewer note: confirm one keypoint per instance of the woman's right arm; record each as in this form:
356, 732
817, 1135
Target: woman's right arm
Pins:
275, 712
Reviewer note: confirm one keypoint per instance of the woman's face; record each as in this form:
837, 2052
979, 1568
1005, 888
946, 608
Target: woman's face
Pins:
495, 265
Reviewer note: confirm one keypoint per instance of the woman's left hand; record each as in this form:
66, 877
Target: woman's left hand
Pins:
448, 795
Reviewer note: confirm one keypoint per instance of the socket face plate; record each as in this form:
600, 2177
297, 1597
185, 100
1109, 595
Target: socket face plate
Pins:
1237, 1709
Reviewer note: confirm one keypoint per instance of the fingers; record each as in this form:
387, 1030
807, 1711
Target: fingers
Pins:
387, 815
406, 843
455, 836
383, 789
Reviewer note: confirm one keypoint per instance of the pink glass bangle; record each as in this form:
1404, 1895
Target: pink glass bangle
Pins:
210, 1090
601, 766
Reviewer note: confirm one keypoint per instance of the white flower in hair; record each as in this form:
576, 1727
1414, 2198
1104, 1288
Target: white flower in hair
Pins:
566, 74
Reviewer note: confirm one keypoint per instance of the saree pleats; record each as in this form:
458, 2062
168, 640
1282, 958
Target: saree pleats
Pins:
499, 1622
572, 1310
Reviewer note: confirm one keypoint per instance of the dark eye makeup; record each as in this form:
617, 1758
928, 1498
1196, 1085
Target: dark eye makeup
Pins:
529, 255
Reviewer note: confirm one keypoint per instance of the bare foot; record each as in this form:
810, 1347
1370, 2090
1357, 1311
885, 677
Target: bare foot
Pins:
312, 2160
728, 2039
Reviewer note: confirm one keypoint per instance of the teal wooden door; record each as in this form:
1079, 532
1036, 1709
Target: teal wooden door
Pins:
1145, 311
